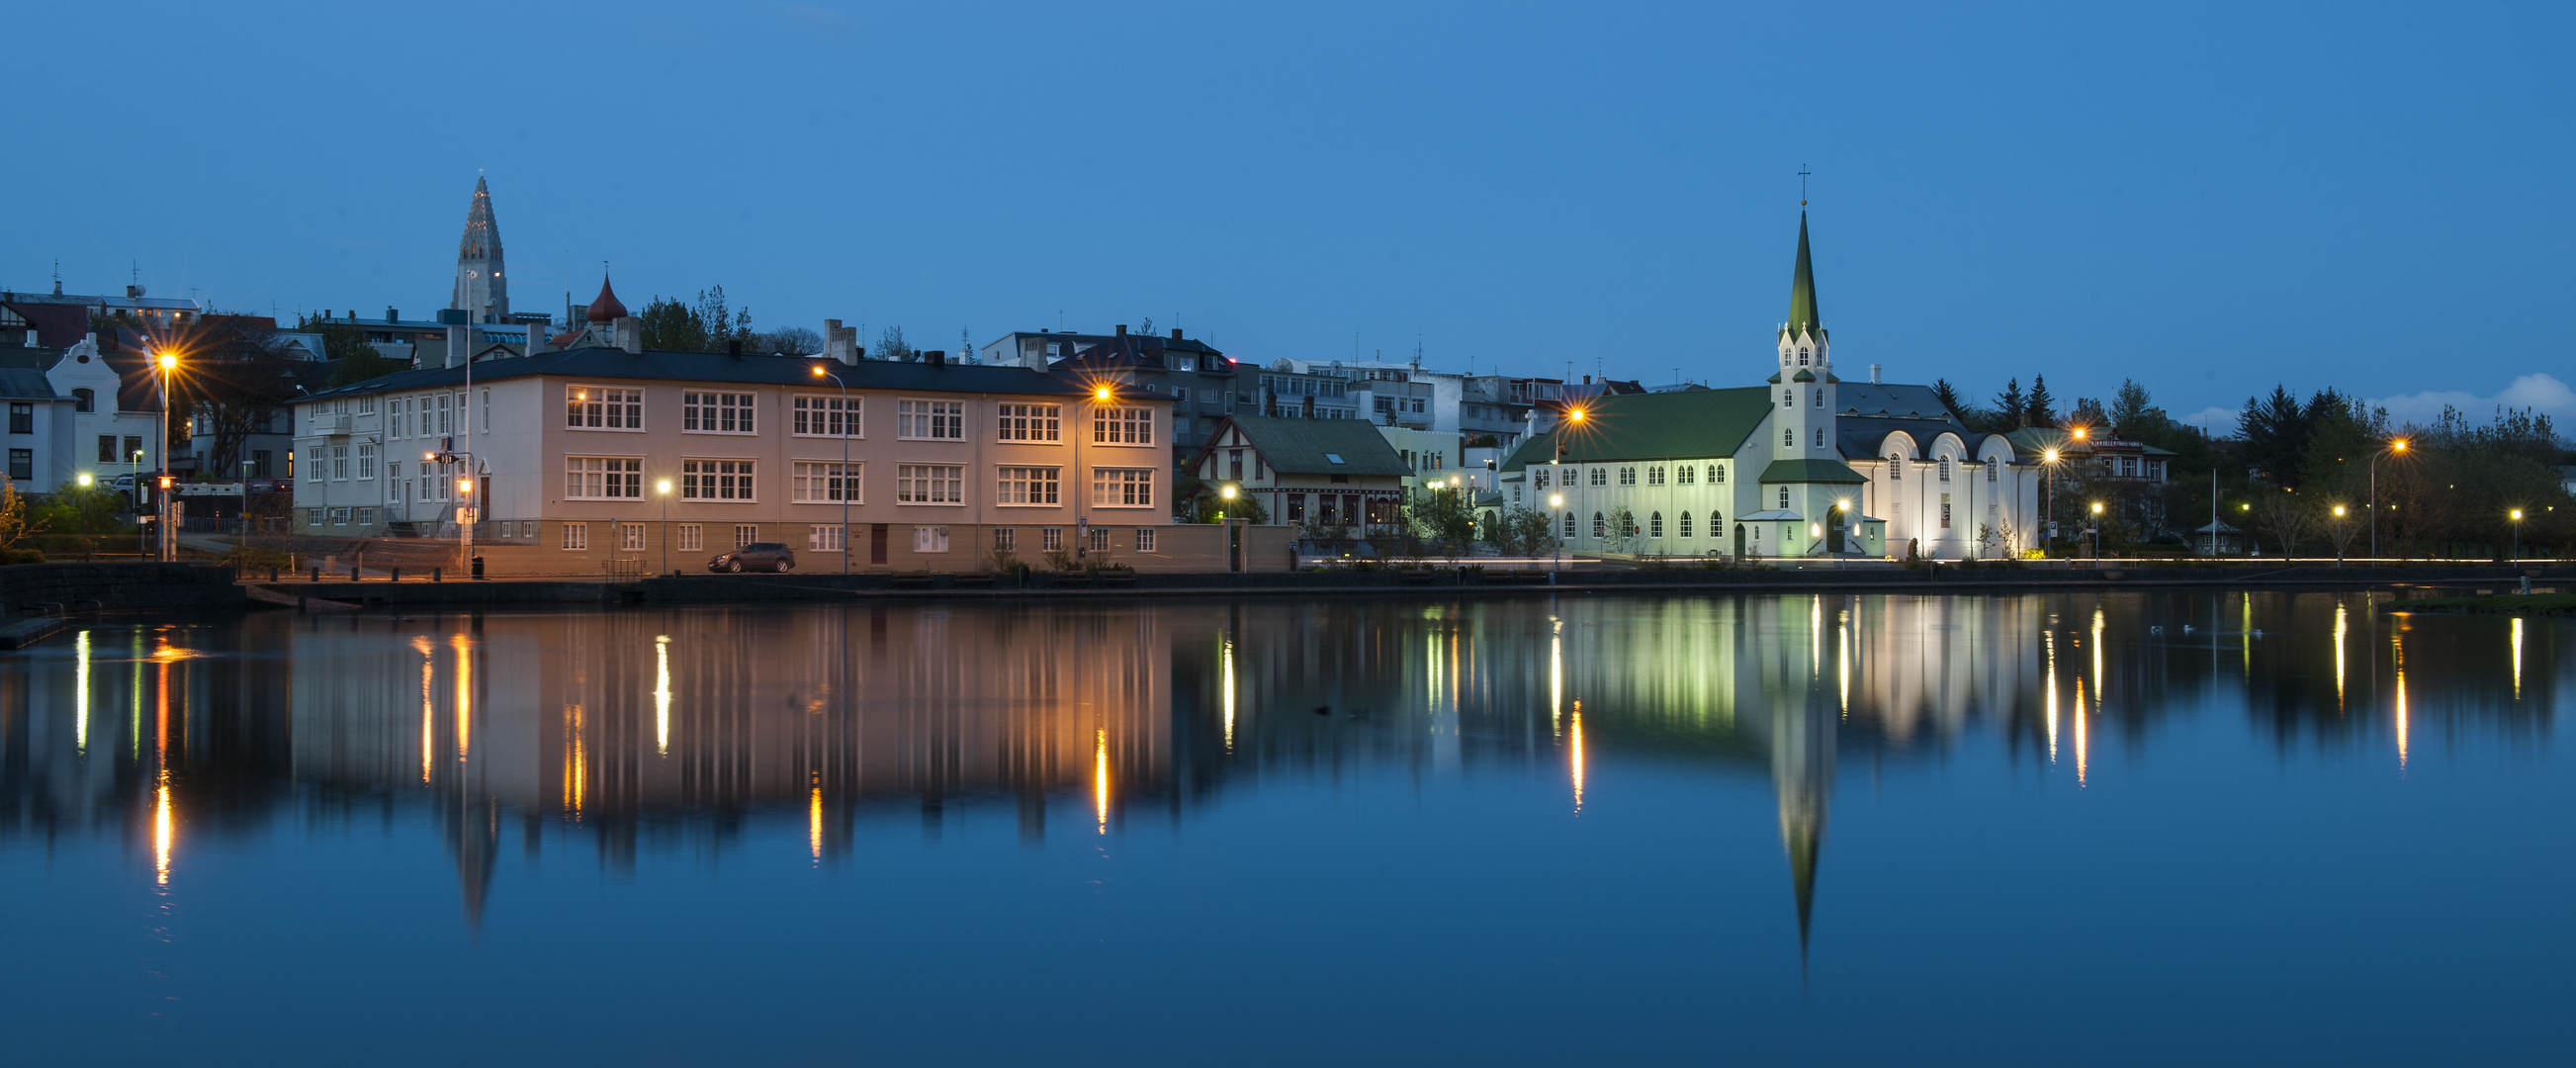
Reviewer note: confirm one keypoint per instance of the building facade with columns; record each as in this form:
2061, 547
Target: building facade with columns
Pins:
1804, 465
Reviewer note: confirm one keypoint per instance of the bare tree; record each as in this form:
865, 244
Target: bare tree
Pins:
2285, 518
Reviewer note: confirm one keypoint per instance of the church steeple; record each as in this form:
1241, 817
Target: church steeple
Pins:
1802, 290
480, 291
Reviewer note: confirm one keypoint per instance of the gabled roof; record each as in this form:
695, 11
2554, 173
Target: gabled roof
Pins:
1130, 350
1307, 446
1653, 426
1874, 398
2038, 439
1810, 471
611, 365
19, 383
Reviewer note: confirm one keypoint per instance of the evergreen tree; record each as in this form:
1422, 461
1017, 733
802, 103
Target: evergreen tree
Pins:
671, 326
2088, 412
1948, 395
2134, 414
2041, 409
2010, 408
2272, 432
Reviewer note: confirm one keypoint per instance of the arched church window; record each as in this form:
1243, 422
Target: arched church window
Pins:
1990, 470
1784, 496
1945, 469
1788, 438
1685, 524
1820, 437
1895, 468
1569, 524
1820, 397
1802, 357
1788, 397
1655, 525
1600, 526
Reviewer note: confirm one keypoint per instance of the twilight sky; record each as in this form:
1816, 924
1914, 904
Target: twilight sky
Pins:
2209, 198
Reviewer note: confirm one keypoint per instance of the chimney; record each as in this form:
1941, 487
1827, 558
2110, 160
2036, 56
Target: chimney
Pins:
1176, 333
630, 334
733, 348
1587, 380
31, 337
457, 336
390, 314
1873, 374
935, 357
1122, 330
840, 343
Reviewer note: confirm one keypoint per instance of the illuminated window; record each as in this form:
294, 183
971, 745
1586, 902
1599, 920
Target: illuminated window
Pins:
1026, 486
1029, 422
592, 478
716, 480
1122, 487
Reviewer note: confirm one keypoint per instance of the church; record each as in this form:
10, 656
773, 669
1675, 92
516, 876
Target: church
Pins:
1803, 466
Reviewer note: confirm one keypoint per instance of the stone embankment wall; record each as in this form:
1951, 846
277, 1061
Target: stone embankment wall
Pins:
59, 588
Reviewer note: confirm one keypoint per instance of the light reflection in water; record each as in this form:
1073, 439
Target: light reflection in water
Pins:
2082, 749
464, 648
161, 830
814, 818
81, 693
1100, 778
428, 703
1225, 682
662, 695
1576, 750
2517, 658
2341, 628
1555, 676
2399, 644
576, 761
2048, 691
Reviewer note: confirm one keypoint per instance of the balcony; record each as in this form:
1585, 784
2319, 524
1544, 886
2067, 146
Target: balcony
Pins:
335, 424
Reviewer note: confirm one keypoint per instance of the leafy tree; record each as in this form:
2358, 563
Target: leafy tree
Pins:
789, 341
891, 346
19, 519
1443, 515
675, 327
2040, 409
232, 382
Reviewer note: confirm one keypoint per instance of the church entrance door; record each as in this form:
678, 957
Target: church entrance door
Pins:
1739, 541
1834, 530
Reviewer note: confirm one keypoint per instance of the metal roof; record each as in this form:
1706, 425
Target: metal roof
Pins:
1303, 446
607, 364
1653, 426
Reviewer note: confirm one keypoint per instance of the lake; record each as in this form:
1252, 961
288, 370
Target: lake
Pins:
2087, 827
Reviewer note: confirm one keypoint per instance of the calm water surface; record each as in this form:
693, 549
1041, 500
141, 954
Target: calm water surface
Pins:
1777, 829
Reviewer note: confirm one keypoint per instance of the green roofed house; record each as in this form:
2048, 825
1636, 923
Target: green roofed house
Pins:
1307, 470
1803, 466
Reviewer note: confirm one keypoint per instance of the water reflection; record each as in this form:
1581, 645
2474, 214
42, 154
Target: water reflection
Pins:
631, 733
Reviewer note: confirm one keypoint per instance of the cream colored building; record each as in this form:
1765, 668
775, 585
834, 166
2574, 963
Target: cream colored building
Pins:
597, 454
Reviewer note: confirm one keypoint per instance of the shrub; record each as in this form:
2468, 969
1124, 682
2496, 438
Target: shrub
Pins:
22, 556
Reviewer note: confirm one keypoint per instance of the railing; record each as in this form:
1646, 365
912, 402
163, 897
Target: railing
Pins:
624, 567
335, 424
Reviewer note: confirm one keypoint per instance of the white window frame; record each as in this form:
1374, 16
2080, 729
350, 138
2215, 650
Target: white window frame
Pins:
943, 420
630, 537
719, 479
1120, 425
618, 409
924, 484
927, 539
812, 482
745, 534
576, 537
1028, 486
366, 461
814, 413
628, 469
1144, 539
1133, 486
702, 410
1032, 424
692, 538
825, 537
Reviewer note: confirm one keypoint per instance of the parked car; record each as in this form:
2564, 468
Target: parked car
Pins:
757, 556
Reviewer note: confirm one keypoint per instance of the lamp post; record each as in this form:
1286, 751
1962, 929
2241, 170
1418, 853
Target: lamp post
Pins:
2398, 445
1556, 501
2517, 535
2048, 508
2097, 532
2339, 535
841, 479
166, 545
663, 487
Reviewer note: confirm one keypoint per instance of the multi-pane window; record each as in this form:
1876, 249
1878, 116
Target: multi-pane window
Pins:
715, 413
930, 539
1122, 426
1006, 538
1099, 539
1627, 476
339, 517
1144, 539
1682, 475
599, 478
590, 408
827, 483
929, 484
107, 449
446, 415
1945, 469
394, 483
1684, 529
1945, 511
1655, 525
1716, 474
715, 480
630, 537
365, 517
1655, 475
1784, 497
1600, 525
1895, 468
1601, 476
1538, 478
825, 537
1122, 487
745, 534
366, 461
1051, 538
339, 463
576, 536
692, 537
1030, 422
819, 416
938, 420
1027, 486
1990, 470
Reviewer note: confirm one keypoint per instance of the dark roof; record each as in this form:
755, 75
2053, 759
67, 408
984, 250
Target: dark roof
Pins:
19, 383
1876, 398
1803, 317
1129, 350
57, 325
1810, 471
1298, 446
1861, 437
2039, 439
609, 364
1653, 426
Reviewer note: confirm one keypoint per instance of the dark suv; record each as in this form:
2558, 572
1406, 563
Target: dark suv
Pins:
757, 556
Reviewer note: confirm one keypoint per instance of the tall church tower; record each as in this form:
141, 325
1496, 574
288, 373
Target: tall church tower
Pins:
485, 297
1804, 388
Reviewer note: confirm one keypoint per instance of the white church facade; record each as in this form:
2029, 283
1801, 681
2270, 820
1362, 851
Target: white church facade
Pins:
1803, 466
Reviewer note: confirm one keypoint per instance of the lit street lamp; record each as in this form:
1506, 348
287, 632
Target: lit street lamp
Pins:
1555, 502
663, 487
2097, 532
2398, 445
842, 477
2048, 508
2517, 535
167, 545
2339, 535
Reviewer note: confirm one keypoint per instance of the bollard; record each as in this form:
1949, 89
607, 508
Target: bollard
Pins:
272, 574
317, 574
434, 574
397, 575
353, 572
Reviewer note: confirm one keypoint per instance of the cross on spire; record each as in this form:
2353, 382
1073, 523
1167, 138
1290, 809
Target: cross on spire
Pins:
1802, 184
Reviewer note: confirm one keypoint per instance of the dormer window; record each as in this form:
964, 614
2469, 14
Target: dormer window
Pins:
1802, 357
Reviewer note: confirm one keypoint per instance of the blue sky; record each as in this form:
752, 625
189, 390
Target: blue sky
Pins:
2211, 198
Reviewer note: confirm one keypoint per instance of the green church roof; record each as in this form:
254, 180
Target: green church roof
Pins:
1653, 426
1803, 317
1810, 471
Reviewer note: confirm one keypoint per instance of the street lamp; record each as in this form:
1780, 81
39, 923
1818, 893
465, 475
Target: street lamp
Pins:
164, 363
2339, 535
843, 479
2048, 508
2097, 532
1555, 503
663, 487
2398, 446
2517, 535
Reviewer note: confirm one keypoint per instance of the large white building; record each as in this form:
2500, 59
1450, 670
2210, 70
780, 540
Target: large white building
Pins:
1803, 466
